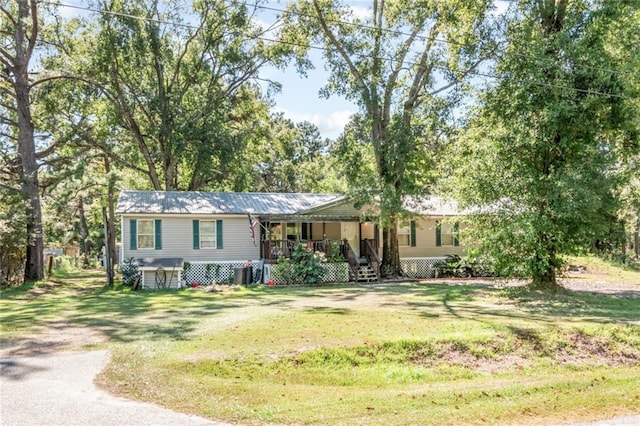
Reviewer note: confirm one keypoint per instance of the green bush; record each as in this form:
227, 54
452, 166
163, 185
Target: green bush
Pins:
130, 272
304, 267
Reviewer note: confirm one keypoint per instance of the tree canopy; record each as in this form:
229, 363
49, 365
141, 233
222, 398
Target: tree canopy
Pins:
403, 64
538, 161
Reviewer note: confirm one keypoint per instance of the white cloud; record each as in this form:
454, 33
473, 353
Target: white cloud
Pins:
330, 125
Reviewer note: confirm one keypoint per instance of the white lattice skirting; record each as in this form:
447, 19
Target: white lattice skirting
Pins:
338, 273
215, 272
420, 267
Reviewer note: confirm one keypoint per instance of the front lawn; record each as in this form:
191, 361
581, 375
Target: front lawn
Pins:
405, 354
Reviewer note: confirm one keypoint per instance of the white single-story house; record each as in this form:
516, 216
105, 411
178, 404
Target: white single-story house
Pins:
182, 237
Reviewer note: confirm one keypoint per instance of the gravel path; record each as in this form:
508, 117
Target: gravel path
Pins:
58, 389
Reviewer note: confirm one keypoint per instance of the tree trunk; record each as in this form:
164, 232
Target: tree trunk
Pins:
84, 233
636, 239
394, 250
545, 278
34, 265
111, 226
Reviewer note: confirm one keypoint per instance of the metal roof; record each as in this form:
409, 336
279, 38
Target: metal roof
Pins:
192, 202
258, 203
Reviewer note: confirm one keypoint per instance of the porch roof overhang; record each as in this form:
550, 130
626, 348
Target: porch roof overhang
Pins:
309, 218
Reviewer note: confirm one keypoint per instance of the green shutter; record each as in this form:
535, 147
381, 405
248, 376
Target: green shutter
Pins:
133, 234
438, 234
456, 241
158, 229
218, 234
412, 237
196, 234
305, 235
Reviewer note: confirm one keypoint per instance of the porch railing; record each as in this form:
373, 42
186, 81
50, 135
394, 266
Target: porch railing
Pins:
274, 249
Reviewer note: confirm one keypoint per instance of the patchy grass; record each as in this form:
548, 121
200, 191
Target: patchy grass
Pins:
411, 354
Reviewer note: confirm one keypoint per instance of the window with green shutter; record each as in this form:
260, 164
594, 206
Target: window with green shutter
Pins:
196, 234
446, 234
404, 234
158, 234
133, 234
145, 234
218, 234
413, 233
456, 234
208, 238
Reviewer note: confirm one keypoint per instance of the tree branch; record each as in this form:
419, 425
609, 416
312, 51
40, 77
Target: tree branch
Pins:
343, 53
8, 15
34, 28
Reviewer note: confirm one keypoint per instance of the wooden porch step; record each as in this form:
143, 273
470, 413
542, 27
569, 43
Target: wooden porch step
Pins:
366, 274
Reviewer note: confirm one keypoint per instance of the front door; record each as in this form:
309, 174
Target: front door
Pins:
351, 234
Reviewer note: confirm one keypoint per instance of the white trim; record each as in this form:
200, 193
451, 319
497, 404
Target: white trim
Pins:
215, 234
153, 234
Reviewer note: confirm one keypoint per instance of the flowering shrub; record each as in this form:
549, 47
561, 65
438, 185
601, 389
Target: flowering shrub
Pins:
304, 267
307, 264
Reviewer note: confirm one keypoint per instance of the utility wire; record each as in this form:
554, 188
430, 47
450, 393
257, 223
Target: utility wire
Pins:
423, 38
353, 24
325, 49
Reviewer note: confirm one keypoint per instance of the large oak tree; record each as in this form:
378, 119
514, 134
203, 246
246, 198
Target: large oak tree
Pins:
401, 64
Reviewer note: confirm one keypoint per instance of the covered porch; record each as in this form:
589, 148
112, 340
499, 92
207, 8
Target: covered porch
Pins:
346, 237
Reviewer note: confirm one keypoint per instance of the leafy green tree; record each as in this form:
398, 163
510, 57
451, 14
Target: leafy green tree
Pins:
294, 158
20, 40
537, 162
178, 85
401, 65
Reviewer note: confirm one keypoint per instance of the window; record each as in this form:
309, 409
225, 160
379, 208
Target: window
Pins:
404, 235
407, 234
208, 234
447, 234
146, 234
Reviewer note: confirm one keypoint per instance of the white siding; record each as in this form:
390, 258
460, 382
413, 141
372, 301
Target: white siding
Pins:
177, 239
171, 279
426, 242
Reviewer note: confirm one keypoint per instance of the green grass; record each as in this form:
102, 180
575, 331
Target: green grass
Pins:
412, 354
